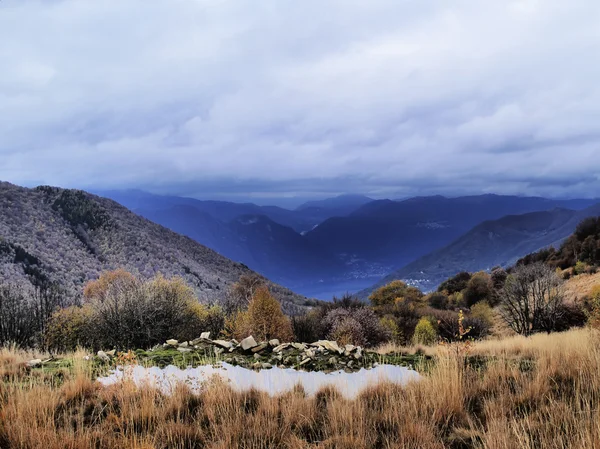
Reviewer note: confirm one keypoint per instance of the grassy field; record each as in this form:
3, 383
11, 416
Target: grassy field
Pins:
541, 392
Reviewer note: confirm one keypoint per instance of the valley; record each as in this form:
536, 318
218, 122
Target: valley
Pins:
352, 244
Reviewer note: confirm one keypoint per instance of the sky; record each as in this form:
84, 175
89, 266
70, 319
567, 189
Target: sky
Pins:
280, 99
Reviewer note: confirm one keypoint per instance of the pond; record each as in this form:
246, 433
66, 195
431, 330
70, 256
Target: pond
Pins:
272, 381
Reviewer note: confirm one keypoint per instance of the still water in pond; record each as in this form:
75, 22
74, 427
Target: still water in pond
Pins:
273, 381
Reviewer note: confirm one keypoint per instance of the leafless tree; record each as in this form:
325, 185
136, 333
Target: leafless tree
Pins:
241, 292
25, 310
532, 299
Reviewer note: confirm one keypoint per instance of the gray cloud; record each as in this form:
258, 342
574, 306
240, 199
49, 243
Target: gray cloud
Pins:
282, 98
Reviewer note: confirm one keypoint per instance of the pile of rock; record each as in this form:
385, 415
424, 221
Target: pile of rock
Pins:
322, 355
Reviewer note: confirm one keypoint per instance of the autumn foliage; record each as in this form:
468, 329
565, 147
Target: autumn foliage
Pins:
263, 320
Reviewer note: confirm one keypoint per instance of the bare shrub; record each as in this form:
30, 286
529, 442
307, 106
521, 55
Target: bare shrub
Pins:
532, 299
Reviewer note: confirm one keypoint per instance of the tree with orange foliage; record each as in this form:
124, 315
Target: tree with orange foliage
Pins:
263, 320
109, 281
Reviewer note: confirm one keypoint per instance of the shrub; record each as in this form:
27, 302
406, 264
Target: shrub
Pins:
371, 330
580, 268
456, 283
200, 318
348, 331
425, 332
391, 326
479, 288
448, 325
457, 300
438, 300
129, 313
307, 327
69, 328
388, 294
532, 299
483, 312
109, 281
498, 276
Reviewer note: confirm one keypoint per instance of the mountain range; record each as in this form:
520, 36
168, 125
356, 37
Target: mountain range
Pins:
347, 242
492, 243
321, 248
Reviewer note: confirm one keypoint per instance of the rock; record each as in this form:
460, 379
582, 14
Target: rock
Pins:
281, 347
34, 363
257, 356
329, 345
305, 361
310, 353
172, 342
111, 353
103, 356
248, 343
205, 335
223, 343
180, 349
260, 347
274, 343
266, 366
348, 349
218, 350
358, 353
184, 344
299, 346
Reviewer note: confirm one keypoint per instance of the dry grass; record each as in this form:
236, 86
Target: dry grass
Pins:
581, 286
541, 392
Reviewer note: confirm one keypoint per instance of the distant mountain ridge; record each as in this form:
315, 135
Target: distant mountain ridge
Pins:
492, 243
70, 236
396, 233
302, 219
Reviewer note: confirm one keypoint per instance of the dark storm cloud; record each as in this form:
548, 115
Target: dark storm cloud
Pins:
281, 98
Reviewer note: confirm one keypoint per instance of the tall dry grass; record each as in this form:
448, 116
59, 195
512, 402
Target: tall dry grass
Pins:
541, 392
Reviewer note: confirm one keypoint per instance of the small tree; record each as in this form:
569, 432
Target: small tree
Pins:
264, 318
532, 299
425, 332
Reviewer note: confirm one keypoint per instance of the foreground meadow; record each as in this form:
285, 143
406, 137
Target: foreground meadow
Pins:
537, 392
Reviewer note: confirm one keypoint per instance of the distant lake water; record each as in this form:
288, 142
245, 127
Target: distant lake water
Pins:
327, 290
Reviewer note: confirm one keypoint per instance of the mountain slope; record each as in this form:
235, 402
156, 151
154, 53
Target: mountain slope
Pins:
492, 243
71, 236
396, 232
276, 251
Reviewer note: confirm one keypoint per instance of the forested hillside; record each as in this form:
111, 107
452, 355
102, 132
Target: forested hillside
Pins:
68, 237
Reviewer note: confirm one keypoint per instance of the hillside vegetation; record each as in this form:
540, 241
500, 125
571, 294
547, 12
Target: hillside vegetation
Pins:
68, 237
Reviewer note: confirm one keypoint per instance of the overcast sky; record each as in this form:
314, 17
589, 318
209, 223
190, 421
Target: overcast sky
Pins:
279, 98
